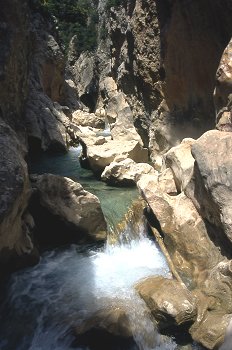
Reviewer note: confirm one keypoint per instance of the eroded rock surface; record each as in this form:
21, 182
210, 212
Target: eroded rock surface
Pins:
45, 128
210, 188
170, 303
185, 232
125, 172
16, 241
223, 90
64, 212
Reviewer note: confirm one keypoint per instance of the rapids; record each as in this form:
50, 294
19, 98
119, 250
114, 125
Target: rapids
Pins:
42, 305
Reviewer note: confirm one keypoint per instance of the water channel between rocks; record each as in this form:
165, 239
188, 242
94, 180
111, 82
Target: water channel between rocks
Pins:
42, 305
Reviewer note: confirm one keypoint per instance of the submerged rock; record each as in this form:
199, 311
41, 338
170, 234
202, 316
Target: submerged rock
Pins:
170, 303
125, 172
64, 212
106, 329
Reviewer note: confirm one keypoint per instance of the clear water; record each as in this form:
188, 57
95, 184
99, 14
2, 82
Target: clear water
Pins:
41, 305
114, 201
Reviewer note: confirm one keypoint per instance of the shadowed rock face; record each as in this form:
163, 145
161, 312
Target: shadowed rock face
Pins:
193, 37
16, 247
14, 63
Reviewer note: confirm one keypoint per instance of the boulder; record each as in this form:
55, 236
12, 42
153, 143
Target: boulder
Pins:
106, 329
210, 331
179, 159
167, 183
228, 337
211, 186
46, 125
64, 212
170, 303
87, 119
125, 172
185, 233
16, 242
123, 128
101, 156
114, 320
84, 73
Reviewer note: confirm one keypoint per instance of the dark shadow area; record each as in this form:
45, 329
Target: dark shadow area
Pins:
97, 339
193, 36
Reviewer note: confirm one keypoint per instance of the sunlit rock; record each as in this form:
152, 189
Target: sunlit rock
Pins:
210, 331
186, 236
211, 186
125, 172
170, 303
167, 183
102, 155
64, 212
180, 160
87, 119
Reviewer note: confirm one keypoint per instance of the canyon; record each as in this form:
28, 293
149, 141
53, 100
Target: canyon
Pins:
156, 89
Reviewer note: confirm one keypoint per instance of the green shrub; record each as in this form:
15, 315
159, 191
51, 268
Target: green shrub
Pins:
113, 3
74, 17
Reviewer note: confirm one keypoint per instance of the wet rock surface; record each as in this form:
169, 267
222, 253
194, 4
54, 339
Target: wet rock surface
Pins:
170, 303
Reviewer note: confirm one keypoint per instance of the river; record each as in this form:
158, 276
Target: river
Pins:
42, 305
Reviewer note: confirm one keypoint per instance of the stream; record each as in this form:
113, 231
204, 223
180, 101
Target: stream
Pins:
42, 305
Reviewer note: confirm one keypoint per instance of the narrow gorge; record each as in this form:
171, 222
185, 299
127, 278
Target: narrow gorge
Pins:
115, 175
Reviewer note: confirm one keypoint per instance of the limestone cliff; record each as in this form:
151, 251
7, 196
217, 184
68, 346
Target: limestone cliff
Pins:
163, 57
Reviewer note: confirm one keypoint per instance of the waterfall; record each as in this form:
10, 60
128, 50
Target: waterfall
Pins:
43, 303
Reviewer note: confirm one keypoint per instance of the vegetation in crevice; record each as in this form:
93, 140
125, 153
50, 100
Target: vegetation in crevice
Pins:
74, 17
113, 3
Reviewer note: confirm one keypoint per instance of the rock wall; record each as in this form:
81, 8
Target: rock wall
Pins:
31, 119
163, 56
14, 186
193, 37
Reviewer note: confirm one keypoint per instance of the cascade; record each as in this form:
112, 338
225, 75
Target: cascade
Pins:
43, 305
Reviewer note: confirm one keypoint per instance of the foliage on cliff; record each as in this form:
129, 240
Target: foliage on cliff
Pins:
74, 17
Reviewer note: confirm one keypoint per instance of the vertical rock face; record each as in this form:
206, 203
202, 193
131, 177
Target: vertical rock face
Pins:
14, 62
163, 56
193, 36
46, 123
15, 237
223, 91
31, 79
126, 63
